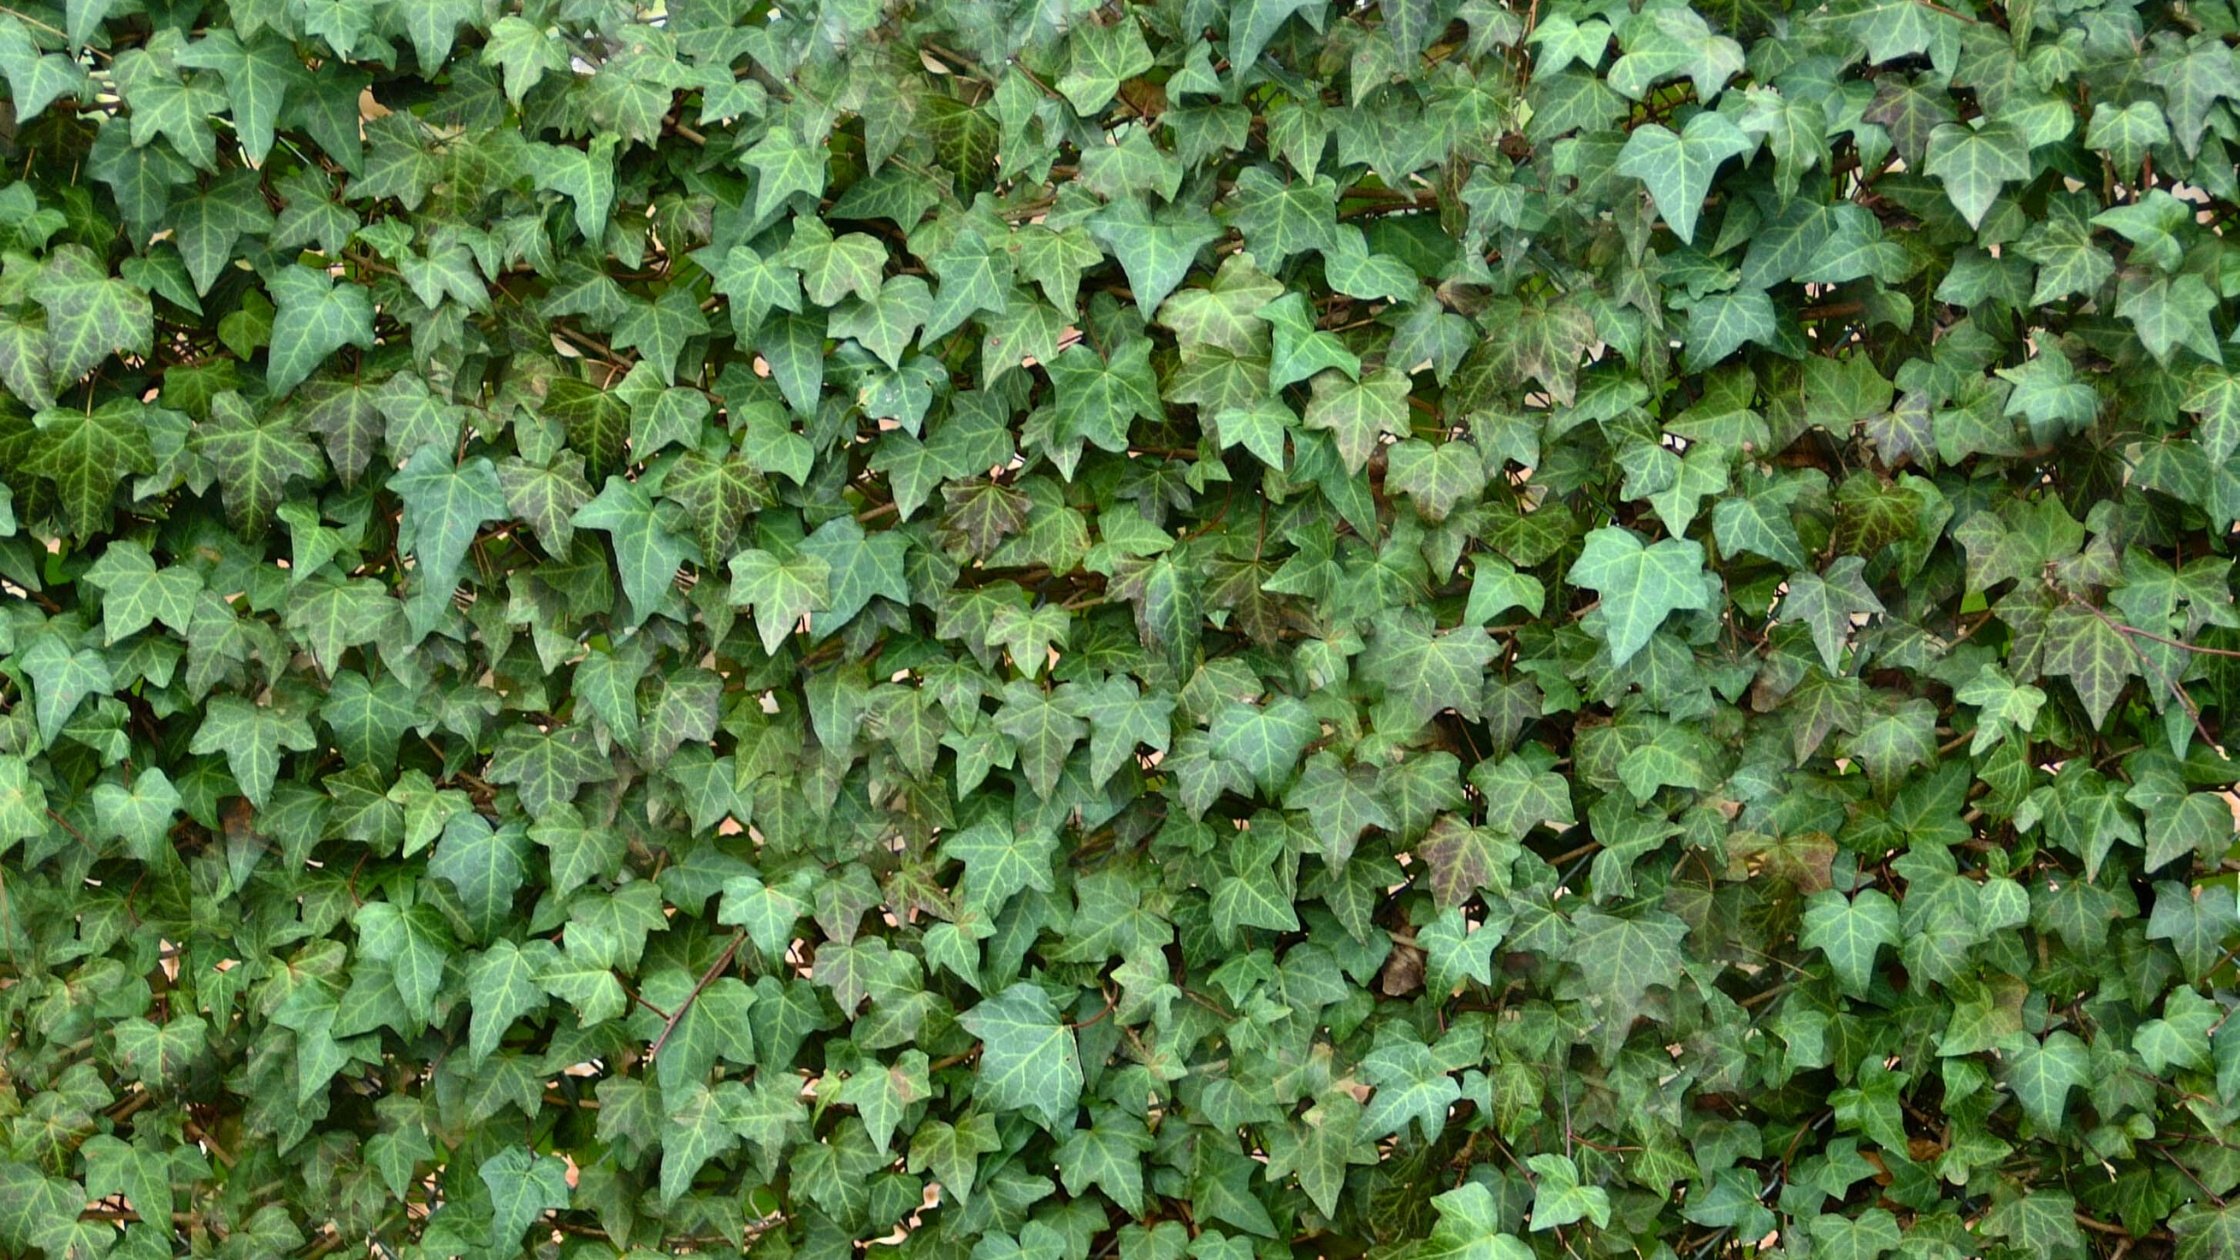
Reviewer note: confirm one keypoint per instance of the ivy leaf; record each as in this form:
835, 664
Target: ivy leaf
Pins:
140, 813
2068, 260
484, 865
1558, 1198
256, 458
434, 27
209, 226
1225, 314
502, 985
1109, 1156
251, 737
1678, 167
1496, 587
523, 1186
313, 317
953, 1151
1101, 58
1438, 478
347, 416
1640, 585
859, 567
782, 592
1520, 798
999, 860
1868, 1236
833, 267
523, 51
1319, 1147
61, 679
2198, 923
1358, 414
90, 314
2127, 134
645, 546
659, 329
1264, 741
1465, 859
2092, 654
1098, 397
1254, 23
2170, 312
547, 768
1045, 730
2191, 87
1974, 163
882, 1094
444, 507
259, 75
1829, 605
1411, 1086
136, 594
584, 176
1352, 270
332, 617
1469, 1228
33, 1204
2007, 708
768, 913
1849, 931
1622, 957
1300, 351
784, 166
1341, 803
696, 1129
35, 79
754, 284
82, 452
1423, 672
1029, 1061
2041, 1073
1155, 249
1723, 323
547, 498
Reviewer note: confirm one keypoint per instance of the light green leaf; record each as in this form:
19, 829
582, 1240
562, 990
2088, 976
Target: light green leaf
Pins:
1029, 1060
1640, 585
1678, 168
1850, 931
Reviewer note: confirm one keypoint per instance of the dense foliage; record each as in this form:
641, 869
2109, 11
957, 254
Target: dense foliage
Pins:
1432, 629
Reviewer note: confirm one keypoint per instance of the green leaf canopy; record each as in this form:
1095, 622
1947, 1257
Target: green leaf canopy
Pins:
1149, 630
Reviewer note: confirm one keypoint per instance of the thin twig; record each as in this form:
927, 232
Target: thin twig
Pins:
2118, 1231
2151, 637
2176, 688
707, 978
1111, 1000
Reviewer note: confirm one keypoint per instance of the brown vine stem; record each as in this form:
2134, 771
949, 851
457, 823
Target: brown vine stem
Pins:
754, 1230
2118, 1231
1111, 1000
64, 823
953, 1060
2176, 688
639, 998
593, 344
707, 978
210, 1144
1950, 13
2136, 633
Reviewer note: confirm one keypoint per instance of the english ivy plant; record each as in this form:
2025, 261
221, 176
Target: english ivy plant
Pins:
980, 630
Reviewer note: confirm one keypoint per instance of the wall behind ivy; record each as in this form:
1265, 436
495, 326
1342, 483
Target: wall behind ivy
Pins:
980, 630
